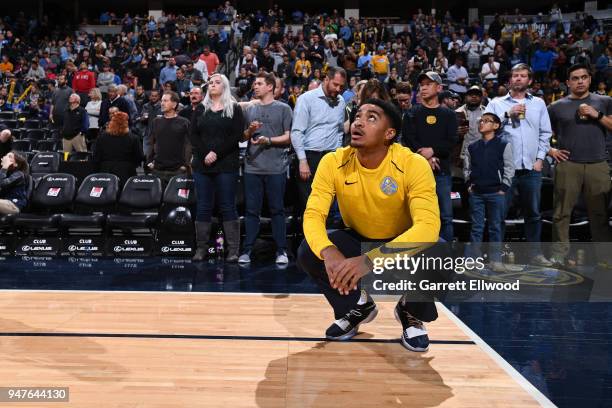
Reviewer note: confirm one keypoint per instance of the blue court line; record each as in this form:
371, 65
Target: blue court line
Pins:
214, 337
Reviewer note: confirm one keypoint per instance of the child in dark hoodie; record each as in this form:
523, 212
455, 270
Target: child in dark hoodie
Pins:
488, 170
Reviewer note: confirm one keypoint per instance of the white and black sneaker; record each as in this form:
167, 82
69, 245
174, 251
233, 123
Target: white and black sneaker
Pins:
414, 334
347, 326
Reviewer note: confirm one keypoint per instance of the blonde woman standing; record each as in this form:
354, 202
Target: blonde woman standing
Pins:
93, 112
215, 137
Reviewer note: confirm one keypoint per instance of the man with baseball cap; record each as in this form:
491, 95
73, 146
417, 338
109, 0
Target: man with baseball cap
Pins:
470, 112
449, 99
431, 130
385, 193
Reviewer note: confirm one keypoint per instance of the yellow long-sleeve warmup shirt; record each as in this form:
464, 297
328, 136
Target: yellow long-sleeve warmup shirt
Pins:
396, 201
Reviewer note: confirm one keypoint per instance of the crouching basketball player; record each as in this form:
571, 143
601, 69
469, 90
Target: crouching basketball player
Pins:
385, 193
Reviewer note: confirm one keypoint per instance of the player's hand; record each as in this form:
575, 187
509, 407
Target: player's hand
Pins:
559, 155
426, 152
304, 170
332, 258
349, 274
462, 130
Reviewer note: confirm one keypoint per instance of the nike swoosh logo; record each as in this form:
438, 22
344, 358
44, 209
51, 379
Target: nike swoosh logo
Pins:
348, 184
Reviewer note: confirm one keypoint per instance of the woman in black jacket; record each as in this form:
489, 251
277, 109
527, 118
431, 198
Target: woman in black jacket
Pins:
13, 183
117, 150
215, 137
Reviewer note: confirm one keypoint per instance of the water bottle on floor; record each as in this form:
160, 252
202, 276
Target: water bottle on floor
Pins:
219, 245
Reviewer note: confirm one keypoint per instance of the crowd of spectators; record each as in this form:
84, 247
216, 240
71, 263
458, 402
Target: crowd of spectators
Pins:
77, 80
184, 50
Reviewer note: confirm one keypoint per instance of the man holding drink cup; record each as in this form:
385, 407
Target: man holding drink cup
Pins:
527, 127
266, 165
582, 122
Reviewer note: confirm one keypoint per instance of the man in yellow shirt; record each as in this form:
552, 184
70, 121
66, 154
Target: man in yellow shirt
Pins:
380, 64
6, 65
385, 193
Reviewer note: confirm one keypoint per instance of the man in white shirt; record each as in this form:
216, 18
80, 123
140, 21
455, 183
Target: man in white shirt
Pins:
490, 69
473, 48
488, 47
458, 77
455, 40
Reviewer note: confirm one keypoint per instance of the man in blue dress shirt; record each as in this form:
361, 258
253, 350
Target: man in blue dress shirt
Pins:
527, 125
318, 128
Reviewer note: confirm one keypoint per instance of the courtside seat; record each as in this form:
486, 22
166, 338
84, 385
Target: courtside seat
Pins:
140, 193
97, 195
34, 134
79, 156
7, 115
45, 163
53, 193
48, 145
10, 123
180, 192
22, 145
31, 124
132, 221
179, 203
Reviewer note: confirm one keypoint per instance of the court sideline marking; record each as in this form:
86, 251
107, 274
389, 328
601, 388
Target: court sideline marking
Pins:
507, 367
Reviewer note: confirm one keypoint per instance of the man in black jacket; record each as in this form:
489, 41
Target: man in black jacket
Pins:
150, 111
170, 140
76, 124
114, 100
317, 53
431, 130
195, 99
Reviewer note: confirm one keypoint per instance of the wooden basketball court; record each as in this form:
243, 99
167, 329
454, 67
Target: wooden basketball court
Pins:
150, 349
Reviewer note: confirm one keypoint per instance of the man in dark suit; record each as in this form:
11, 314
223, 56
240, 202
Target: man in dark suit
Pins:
114, 100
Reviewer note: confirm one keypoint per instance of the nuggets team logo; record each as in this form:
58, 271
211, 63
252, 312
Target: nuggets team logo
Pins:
388, 186
431, 120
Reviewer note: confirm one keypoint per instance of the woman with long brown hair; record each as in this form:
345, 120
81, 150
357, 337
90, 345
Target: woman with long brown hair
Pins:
13, 183
117, 150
